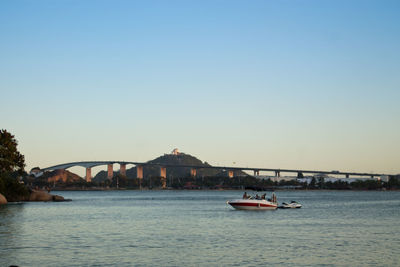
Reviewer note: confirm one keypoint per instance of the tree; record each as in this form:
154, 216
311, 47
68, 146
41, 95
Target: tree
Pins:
313, 183
394, 181
12, 163
10, 158
12, 189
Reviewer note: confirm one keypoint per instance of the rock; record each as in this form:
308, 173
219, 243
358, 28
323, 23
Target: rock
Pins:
3, 199
37, 195
58, 198
40, 196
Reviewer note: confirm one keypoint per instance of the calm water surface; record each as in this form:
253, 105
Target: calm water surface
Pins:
198, 228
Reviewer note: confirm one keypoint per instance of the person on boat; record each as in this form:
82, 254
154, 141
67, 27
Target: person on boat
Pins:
263, 196
257, 196
273, 197
245, 195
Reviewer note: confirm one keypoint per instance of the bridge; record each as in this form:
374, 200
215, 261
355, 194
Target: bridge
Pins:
193, 169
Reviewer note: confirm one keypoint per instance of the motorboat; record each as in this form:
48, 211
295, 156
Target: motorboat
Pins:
292, 205
252, 204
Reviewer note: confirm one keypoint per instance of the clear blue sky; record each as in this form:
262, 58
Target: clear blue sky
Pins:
280, 84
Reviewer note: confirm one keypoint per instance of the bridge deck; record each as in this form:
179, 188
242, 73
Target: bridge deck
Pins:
90, 164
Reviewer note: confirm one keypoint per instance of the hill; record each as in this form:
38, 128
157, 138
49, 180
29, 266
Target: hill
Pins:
177, 172
61, 176
171, 159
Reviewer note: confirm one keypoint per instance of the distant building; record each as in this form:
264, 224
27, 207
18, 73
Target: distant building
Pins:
320, 176
306, 179
36, 172
275, 178
385, 178
175, 152
327, 178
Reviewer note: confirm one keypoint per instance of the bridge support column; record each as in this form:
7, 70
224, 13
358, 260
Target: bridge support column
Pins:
110, 171
230, 174
256, 173
277, 174
122, 169
347, 175
163, 172
88, 175
139, 172
163, 175
193, 172
139, 175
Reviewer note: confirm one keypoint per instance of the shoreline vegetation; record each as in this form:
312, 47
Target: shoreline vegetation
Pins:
120, 182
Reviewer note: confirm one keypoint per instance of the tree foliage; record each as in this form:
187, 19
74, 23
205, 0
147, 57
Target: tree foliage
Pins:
10, 158
12, 164
12, 189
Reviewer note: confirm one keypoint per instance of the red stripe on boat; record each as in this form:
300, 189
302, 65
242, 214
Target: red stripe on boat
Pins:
251, 205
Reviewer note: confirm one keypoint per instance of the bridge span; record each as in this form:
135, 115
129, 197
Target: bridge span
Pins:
163, 169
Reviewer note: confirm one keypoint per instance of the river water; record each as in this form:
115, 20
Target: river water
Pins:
198, 228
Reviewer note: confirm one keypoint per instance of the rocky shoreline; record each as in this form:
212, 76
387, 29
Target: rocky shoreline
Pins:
36, 196
3, 200
39, 195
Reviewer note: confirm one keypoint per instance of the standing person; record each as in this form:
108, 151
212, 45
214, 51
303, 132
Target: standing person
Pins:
273, 197
245, 195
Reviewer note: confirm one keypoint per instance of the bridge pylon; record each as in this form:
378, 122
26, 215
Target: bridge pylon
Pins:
139, 171
110, 172
122, 169
88, 175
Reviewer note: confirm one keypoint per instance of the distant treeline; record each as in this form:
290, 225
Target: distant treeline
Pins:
219, 182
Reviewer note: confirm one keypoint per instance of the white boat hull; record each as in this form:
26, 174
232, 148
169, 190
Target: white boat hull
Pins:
291, 206
252, 204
